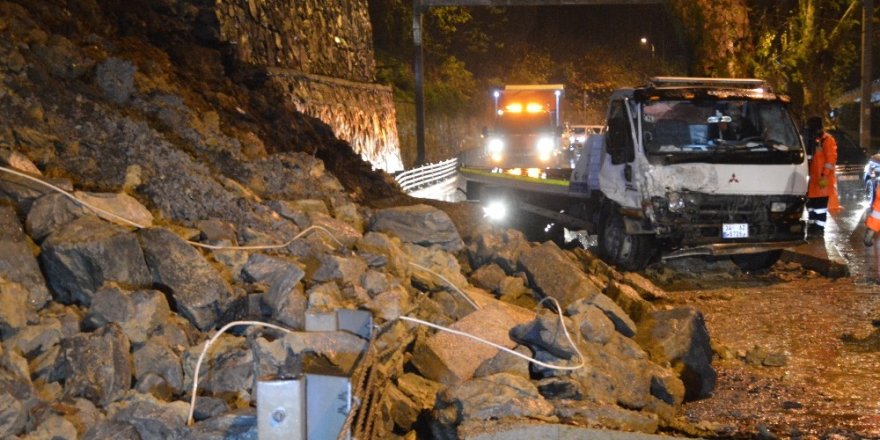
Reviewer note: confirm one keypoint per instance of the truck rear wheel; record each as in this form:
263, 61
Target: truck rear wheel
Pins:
756, 262
627, 251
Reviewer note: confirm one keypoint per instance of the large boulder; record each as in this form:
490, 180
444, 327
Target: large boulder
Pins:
98, 365
381, 251
13, 308
451, 359
17, 261
679, 337
88, 253
489, 398
119, 208
198, 290
139, 314
51, 212
418, 224
286, 302
152, 418
503, 248
555, 275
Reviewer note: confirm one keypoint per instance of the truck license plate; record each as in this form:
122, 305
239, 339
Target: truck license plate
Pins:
734, 230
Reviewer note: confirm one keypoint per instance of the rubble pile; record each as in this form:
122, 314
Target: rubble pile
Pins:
167, 219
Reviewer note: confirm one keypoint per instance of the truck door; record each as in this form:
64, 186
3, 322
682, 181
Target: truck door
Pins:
619, 141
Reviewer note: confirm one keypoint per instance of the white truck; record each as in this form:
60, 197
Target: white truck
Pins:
683, 167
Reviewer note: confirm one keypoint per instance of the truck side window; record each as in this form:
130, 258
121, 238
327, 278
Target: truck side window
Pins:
619, 139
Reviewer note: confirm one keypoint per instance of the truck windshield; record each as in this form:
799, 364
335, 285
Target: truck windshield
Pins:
524, 123
718, 128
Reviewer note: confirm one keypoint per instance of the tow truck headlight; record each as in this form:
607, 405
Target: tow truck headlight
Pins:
495, 148
545, 148
778, 206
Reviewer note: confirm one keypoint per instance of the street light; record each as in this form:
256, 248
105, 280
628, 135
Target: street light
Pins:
644, 41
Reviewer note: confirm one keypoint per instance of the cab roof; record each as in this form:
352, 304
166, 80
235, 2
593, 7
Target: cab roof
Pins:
693, 88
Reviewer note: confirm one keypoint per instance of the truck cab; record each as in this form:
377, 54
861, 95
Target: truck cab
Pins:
527, 132
697, 166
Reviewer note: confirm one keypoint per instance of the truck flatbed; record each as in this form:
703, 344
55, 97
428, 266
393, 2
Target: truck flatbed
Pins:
545, 181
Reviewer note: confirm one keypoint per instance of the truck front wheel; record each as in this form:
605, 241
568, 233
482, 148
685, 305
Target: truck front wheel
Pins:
627, 251
755, 262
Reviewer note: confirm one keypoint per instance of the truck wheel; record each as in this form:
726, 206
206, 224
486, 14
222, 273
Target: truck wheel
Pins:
756, 262
629, 252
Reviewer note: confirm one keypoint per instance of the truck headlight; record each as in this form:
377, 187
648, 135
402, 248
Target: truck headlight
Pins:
545, 148
495, 147
676, 202
778, 207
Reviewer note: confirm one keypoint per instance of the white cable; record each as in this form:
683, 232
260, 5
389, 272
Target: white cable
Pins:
269, 246
72, 197
192, 402
139, 226
450, 283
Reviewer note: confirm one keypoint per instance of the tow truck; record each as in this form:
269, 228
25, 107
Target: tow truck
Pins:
683, 167
527, 130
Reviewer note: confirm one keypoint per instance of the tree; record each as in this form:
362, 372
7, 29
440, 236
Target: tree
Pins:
719, 34
807, 48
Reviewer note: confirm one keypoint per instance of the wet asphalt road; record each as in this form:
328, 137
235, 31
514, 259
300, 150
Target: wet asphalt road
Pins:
828, 385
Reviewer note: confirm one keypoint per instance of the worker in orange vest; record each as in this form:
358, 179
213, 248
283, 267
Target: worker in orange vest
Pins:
822, 179
872, 223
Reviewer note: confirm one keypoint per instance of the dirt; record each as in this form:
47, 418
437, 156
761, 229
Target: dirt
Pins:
797, 355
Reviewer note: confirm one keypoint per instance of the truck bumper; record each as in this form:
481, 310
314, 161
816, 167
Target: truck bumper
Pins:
720, 249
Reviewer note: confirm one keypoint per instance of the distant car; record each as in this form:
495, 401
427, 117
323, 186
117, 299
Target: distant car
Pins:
851, 162
869, 176
577, 134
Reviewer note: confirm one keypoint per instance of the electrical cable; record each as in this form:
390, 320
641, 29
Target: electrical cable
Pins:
450, 283
192, 402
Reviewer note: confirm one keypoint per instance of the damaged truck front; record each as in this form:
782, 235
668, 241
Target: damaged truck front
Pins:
695, 166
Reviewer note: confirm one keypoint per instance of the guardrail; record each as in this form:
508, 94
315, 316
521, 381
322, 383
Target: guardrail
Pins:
427, 175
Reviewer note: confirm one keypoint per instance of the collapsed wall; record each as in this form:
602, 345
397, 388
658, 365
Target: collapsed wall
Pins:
320, 53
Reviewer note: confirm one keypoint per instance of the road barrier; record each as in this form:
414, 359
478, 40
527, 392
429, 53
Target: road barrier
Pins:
427, 175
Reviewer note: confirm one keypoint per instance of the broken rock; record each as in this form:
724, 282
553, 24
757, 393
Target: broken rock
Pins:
98, 365
198, 290
679, 337
17, 261
50, 212
88, 253
555, 275
418, 224
451, 359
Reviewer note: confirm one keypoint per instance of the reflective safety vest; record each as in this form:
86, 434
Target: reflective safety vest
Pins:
873, 221
822, 166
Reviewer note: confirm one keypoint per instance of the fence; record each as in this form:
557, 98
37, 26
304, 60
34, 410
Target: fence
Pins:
427, 175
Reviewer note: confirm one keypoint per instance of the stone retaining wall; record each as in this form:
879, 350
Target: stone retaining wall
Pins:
321, 51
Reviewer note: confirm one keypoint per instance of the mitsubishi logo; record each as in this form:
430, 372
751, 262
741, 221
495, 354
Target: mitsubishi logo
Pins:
733, 179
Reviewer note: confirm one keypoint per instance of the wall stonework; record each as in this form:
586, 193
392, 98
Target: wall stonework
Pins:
321, 52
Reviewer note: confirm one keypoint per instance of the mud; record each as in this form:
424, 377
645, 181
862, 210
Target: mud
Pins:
797, 354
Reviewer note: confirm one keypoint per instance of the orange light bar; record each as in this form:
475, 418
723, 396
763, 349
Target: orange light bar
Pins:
514, 108
534, 108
